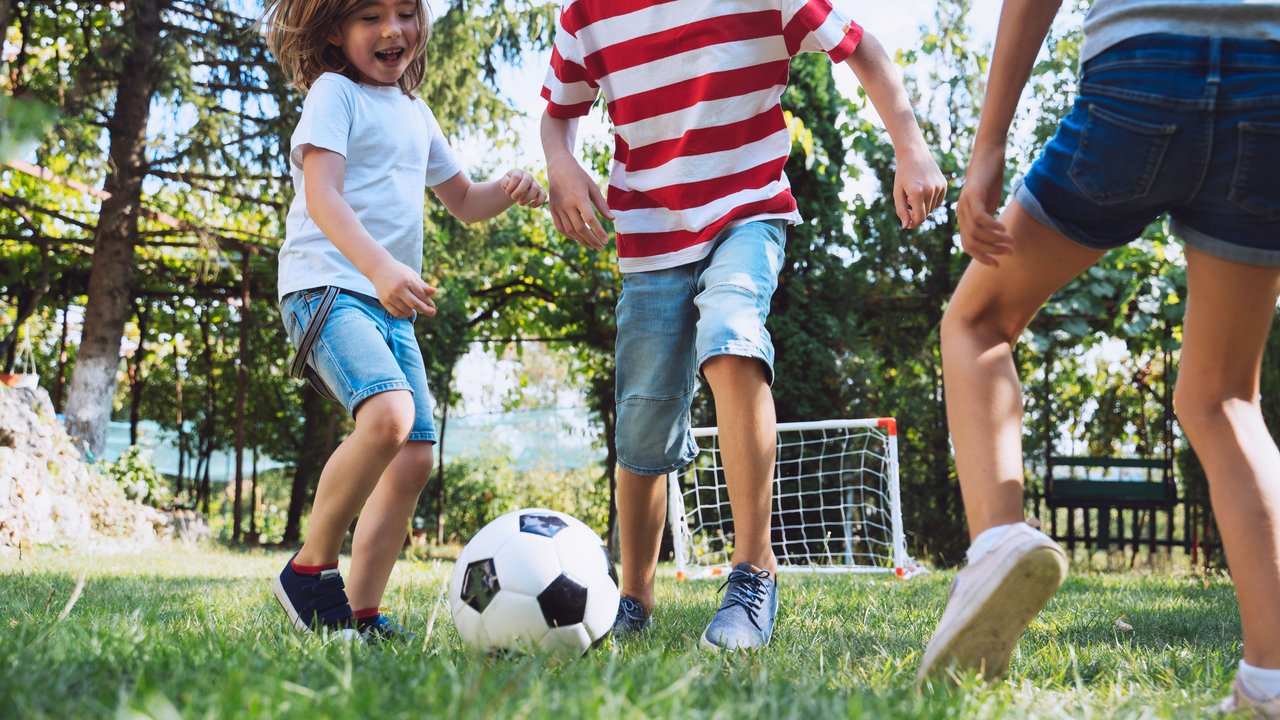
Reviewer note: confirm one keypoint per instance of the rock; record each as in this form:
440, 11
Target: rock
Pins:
49, 495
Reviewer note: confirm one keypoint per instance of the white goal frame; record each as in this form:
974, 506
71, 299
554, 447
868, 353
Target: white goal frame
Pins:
877, 459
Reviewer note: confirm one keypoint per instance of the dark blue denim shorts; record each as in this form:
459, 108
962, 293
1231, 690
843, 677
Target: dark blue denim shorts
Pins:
1169, 123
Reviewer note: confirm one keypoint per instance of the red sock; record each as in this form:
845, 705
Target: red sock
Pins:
312, 569
366, 613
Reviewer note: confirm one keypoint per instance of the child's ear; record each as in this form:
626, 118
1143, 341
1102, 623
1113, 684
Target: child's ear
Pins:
335, 38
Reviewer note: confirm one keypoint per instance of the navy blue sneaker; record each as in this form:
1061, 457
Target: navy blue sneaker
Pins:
745, 618
631, 617
381, 628
314, 602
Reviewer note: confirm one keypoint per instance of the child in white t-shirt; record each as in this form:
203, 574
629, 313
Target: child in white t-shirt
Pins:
351, 284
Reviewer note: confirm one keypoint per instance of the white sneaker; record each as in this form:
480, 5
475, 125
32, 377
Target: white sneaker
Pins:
992, 601
1240, 701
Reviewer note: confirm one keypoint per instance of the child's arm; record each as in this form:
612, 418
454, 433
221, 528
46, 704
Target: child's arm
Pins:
575, 198
1023, 26
472, 202
918, 185
400, 290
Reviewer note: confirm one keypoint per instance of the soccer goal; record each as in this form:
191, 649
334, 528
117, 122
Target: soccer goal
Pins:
836, 504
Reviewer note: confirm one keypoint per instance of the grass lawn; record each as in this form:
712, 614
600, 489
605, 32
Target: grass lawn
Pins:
193, 632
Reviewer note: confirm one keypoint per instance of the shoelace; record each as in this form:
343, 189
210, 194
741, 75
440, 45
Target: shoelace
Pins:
747, 591
632, 610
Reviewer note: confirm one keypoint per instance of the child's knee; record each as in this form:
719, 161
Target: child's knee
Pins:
386, 418
1195, 403
1206, 401
961, 321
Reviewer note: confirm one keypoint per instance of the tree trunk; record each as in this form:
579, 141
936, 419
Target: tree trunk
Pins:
253, 497
208, 424
611, 472
6, 10
314, 418
93, 382
440, 487
136, 373
242, 388
182, 434
206, 482
62, 356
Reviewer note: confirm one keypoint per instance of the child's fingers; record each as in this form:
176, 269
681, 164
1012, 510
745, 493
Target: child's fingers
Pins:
901, 207
919, 208
574, 227
989, 228
590, 227
984, 246
523, 187
597, 199
537, 197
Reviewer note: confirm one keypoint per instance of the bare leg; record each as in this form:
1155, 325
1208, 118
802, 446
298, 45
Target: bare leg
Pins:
641, 514
382, 424
748, 446
1004, 585
384, 523
1230, 308
989, 310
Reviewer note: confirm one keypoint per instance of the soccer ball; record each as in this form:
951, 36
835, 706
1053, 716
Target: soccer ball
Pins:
534, 580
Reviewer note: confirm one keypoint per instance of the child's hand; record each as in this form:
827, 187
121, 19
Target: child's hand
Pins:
981, 235
918, 187
523, 189
401, 291
575, 198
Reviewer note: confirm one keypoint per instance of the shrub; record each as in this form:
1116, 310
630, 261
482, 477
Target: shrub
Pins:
136, 473
478, 490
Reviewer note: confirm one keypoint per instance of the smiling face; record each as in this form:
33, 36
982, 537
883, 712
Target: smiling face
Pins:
379, 39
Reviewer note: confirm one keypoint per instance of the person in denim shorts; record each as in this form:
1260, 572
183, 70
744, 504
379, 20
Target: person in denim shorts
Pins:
1178, 112
350, 283
700, 203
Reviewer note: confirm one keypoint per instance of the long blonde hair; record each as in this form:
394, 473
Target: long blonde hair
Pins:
298, 31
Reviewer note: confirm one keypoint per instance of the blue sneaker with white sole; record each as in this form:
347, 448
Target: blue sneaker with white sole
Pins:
746, 616
314, 602
381, 628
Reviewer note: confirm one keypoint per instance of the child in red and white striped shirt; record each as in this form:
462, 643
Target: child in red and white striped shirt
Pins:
700, 203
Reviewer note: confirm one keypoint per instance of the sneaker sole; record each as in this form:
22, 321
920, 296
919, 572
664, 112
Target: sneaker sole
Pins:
277, 589
984, 639
708, 645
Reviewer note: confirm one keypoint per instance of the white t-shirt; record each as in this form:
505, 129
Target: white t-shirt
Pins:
394, 150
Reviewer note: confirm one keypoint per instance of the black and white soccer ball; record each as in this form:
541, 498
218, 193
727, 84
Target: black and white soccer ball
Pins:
534, 580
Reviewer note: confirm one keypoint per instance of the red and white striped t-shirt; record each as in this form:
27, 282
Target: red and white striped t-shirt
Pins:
693, 90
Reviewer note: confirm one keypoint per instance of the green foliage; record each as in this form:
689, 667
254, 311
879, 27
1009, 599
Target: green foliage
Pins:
135, 472
482, 488
21, 123
854, 321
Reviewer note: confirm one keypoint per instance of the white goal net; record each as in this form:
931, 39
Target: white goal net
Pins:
836, 504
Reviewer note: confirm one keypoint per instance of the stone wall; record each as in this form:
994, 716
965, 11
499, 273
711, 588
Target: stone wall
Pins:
49, 495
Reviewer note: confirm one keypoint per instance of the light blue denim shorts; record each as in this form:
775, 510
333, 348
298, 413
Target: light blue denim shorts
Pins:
363, 350
672, 321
